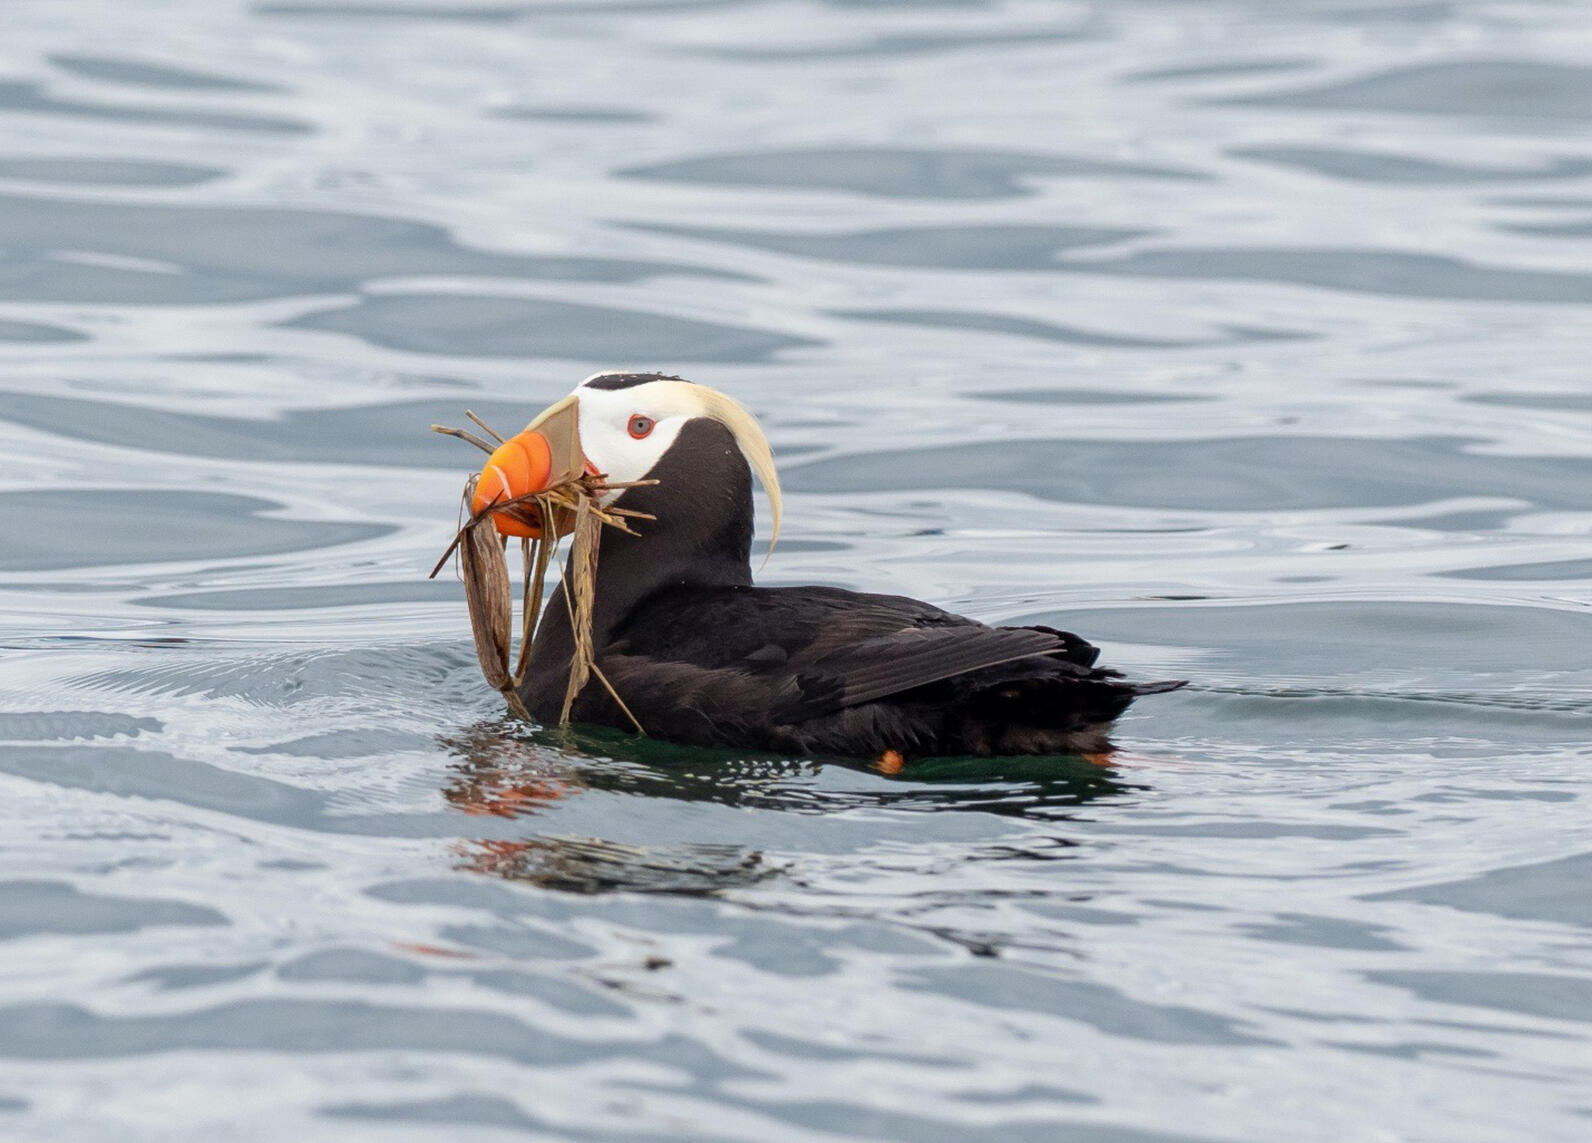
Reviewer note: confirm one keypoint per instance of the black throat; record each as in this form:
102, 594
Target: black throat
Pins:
702, 537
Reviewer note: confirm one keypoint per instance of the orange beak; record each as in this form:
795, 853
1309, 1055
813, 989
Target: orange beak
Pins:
545, 454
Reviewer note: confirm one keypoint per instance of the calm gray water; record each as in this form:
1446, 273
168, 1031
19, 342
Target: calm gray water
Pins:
1248, 339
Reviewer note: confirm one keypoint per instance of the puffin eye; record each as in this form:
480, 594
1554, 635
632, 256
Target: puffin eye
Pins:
640, 426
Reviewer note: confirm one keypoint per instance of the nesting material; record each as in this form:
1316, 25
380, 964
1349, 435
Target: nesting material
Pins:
572, 508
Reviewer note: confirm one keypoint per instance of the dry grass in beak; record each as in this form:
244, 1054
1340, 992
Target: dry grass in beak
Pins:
573, 508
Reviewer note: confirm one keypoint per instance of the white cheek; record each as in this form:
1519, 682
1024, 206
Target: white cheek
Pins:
604, 427
621, 457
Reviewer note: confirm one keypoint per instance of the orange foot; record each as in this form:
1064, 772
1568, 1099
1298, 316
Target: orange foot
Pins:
1132, 760
890, 762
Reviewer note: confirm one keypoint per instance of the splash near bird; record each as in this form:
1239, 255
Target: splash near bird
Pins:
655, 473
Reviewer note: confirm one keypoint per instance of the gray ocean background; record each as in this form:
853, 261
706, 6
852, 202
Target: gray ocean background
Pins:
1248, 339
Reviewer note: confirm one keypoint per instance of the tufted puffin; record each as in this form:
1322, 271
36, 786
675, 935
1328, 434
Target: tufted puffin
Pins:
701, 656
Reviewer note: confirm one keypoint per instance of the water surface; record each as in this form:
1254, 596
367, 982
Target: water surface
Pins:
1249, 340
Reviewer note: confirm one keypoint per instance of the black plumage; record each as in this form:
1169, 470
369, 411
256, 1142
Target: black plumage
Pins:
702, 656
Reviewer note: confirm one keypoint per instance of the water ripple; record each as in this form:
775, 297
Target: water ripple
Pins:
30, 907
484, 326
1244, 339
145, 526
32, 99
1385, 167
144, 73
1483, 88
892, 172
209, 255
1016, 247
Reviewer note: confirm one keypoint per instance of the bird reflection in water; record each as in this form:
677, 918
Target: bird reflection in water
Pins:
502, 774
501, 771
592, 865
505, 769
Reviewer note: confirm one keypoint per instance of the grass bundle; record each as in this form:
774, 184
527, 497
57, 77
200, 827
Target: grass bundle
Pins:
574, 509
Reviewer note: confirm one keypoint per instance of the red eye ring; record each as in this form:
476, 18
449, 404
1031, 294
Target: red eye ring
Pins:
640, 426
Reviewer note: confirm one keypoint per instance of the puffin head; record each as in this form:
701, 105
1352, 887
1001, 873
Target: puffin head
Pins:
700, 444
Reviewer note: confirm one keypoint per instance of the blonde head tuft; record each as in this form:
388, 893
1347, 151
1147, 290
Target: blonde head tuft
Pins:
753, 444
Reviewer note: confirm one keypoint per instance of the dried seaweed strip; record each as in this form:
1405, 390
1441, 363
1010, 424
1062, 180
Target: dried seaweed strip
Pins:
484, 572
583, 563
486, 577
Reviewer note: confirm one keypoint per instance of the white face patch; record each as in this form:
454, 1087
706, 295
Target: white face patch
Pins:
605, 416
616, 445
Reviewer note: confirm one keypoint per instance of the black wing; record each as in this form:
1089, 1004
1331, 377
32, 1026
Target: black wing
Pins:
820, 650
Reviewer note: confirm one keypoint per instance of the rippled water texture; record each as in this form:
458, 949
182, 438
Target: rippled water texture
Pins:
1248, 339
